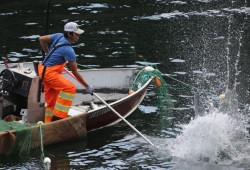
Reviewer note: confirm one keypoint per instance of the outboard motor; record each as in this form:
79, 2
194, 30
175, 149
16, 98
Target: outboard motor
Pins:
20, 93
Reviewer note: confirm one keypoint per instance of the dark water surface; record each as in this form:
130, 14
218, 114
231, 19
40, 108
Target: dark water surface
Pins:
201, 47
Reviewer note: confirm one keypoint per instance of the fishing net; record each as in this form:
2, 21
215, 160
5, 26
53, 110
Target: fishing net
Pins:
17, 138
160, 87
15, 125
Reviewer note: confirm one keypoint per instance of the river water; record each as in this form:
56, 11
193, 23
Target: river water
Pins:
200, 46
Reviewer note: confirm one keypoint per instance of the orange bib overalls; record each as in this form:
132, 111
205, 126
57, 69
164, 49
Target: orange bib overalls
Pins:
59, 91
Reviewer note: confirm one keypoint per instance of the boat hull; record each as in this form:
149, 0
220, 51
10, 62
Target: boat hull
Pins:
50, 133
105, 117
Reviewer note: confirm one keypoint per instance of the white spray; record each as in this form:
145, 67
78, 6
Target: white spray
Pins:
213, 137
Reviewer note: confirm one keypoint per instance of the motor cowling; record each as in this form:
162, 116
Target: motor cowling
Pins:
20, 92
7, 81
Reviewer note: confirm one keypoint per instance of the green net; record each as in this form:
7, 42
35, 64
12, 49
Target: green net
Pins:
160, 87
22, 135
15, 125
22, 144
22, 138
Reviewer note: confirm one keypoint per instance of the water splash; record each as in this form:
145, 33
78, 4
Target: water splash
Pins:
217, 134
215, 137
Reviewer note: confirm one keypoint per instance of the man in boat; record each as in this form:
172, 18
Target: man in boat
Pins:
59, 91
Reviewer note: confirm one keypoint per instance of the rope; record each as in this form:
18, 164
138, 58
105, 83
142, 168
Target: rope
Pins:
244, 106
188, 85
45, 161
41, 140
156, 72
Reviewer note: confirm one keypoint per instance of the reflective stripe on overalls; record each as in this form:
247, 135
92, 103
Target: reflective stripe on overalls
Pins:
48, 114
63, 103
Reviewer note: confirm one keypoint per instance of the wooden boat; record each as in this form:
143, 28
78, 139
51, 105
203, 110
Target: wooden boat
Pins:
21, 98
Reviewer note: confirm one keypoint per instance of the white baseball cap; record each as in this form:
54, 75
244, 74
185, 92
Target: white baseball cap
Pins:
73, 27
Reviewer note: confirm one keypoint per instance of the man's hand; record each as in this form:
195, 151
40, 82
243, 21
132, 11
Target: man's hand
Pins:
90, 90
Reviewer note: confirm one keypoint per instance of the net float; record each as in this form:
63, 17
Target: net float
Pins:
157, 82
130, 91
